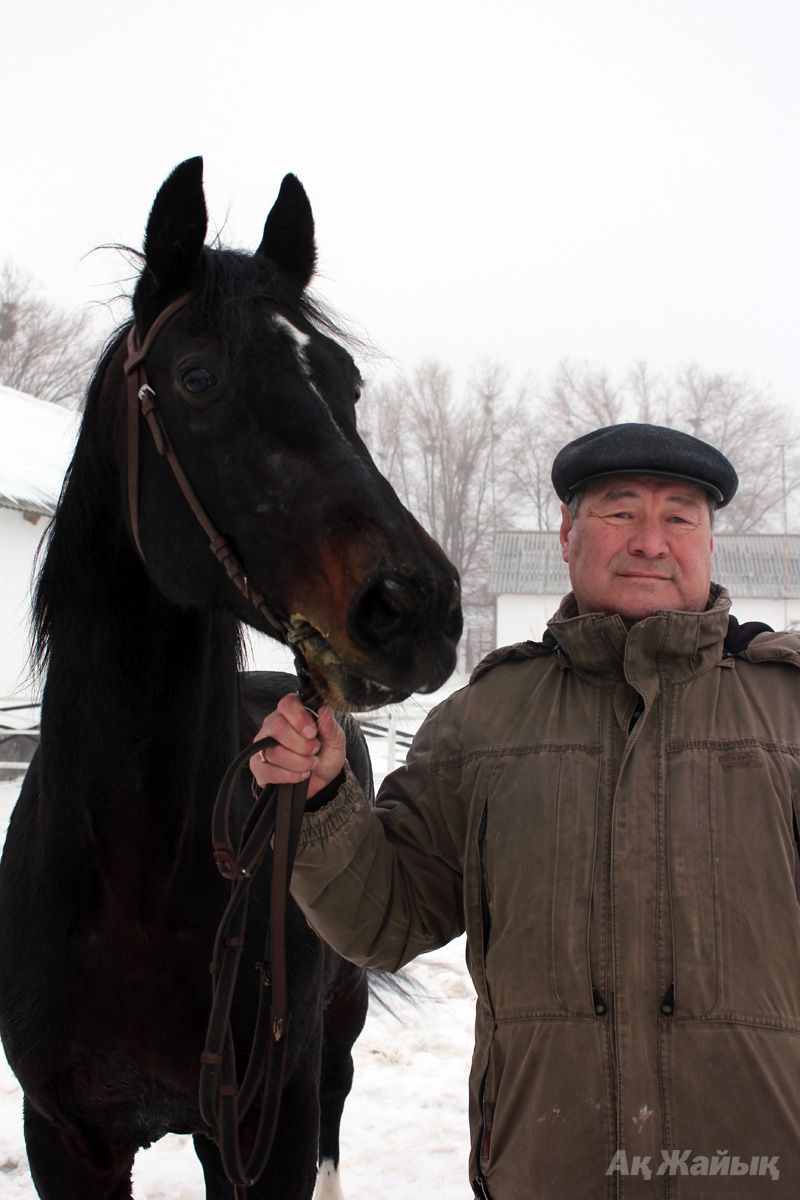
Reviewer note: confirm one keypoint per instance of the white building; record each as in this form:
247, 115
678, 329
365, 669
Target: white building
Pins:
36, 444
529, 578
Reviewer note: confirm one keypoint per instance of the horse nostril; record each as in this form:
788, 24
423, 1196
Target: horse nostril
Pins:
393, 607
386, 608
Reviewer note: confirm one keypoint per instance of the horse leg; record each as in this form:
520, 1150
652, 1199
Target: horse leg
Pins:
62, 1170
343, 1021
292, 1167
218, 1187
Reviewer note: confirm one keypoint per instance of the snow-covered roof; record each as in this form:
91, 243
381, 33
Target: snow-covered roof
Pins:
754, 565
36, 444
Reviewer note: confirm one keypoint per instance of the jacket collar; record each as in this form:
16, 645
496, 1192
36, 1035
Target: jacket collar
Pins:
665, 648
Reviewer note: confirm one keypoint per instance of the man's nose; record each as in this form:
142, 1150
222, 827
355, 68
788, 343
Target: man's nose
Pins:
648, 540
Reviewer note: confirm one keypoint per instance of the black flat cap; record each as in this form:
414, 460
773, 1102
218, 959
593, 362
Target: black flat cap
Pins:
637, 449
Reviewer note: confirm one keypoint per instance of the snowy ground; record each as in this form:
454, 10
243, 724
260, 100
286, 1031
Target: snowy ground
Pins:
405, 1126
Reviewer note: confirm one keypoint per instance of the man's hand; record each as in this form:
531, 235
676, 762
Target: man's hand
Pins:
307, 748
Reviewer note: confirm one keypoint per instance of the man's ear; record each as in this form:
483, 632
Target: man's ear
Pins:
566, 525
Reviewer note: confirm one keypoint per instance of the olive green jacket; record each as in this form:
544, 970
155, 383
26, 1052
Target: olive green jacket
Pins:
613, 821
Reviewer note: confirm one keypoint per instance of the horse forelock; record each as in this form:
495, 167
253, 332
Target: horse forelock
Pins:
229, 282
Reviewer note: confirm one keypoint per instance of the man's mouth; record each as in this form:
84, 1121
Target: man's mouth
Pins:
644, 575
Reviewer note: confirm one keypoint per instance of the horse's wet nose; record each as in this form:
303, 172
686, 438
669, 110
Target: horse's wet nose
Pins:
395, 606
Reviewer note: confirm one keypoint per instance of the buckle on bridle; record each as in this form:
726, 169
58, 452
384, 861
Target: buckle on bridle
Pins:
228, 866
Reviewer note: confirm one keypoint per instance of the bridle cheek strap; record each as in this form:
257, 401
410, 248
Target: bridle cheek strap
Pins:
138, 390
142, 398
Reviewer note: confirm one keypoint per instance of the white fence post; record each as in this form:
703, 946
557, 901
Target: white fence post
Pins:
391, 741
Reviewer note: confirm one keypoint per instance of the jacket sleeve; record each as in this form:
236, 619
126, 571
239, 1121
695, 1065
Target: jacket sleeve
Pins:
384, 884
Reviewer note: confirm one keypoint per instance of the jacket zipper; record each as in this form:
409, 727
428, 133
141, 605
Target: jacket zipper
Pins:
796, 832
634, 729
484, 1132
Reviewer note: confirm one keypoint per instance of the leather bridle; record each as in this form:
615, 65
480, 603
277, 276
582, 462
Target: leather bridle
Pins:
276, 813
142, 397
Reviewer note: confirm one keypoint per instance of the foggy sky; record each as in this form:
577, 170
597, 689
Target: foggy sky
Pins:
608, 181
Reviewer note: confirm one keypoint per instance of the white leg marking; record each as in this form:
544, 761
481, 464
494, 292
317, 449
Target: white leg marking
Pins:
328, 1185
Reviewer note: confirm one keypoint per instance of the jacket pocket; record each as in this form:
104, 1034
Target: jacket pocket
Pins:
536, 847
754, 810
734, 876
574, 853
693, 861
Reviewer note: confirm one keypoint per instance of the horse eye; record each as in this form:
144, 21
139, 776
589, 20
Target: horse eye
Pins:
197, 380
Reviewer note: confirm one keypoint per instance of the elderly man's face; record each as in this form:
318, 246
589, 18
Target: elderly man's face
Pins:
639, 544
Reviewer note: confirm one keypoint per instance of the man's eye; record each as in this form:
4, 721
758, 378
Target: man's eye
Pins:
197, 380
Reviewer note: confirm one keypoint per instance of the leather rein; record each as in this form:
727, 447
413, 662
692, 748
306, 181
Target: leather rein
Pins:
276, 813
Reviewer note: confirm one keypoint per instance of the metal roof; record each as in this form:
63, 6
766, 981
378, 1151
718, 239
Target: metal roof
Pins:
766, 566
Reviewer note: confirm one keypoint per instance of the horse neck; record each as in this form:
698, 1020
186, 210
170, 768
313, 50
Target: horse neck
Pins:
139, 710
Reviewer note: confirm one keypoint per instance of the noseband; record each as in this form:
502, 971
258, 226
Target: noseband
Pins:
276, 813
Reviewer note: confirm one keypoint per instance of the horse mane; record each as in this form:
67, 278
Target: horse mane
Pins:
68, 546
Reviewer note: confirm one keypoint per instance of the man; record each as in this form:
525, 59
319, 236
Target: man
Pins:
612, 817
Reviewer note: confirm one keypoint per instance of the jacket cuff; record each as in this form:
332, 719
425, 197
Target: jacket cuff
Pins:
322, 824
326, 794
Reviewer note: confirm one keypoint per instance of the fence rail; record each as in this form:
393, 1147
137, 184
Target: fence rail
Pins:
19, 736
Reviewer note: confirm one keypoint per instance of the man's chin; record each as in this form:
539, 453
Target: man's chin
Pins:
631, 613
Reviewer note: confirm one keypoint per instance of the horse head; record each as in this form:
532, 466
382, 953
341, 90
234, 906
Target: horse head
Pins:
257, 398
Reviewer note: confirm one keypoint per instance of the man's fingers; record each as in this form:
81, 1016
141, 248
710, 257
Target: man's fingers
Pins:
278, 726
294, 711
305, 747
288, 760
329, 730
265, 773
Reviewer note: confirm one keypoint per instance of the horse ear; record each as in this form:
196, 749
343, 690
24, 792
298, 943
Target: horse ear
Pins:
176, 227
288, 239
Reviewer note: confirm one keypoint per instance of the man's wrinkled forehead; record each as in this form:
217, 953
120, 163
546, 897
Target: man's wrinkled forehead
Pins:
627, 487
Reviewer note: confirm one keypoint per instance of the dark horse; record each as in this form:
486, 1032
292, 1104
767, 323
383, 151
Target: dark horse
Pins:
109, 895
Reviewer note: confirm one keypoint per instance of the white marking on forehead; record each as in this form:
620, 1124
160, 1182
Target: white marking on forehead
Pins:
300, 341
299, 338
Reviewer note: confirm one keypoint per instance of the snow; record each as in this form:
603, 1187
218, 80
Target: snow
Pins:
404, 1131
37, 444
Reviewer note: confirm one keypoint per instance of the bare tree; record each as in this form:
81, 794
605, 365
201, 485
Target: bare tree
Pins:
45, 350
758, 437
447, 454
727, 410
